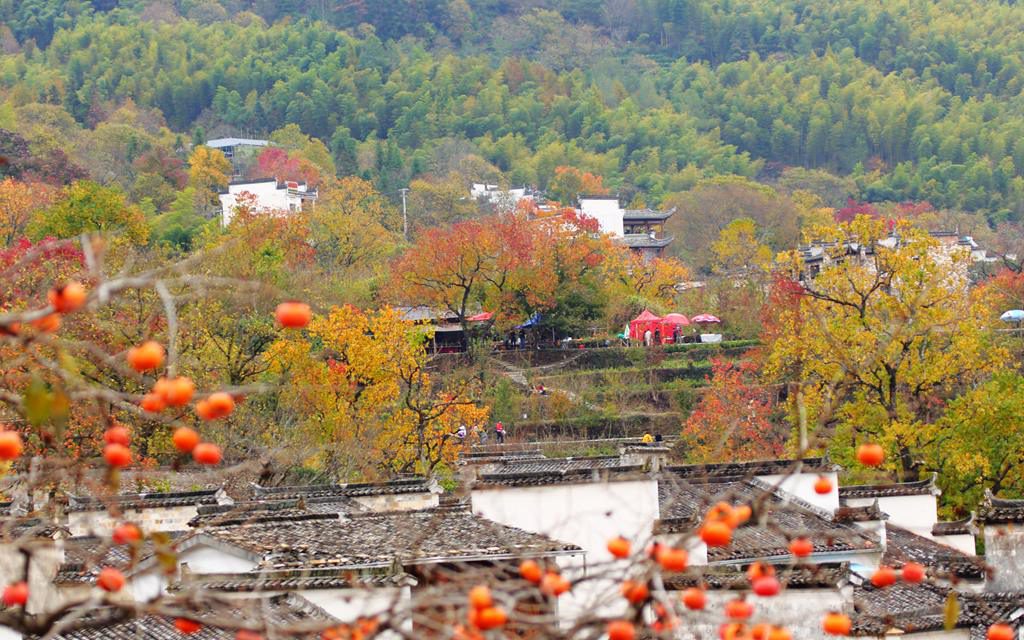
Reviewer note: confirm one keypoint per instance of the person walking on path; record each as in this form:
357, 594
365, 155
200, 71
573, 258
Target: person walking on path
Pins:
499, 432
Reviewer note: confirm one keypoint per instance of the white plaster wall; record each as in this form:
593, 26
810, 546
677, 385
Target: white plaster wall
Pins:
47, 556
399, 501
205, 559
268, 198
876, 527
147, 585
347, 605
1004, 552
587, 515
799, 610
801, 485
916, 513
961, 542
200, 559
101, 523
607, 213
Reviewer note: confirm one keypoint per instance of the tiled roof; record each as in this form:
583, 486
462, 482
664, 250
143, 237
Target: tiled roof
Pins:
728, 471
955, 527
541, 479
498, 453
643, 240
135, 501
784, 517
897, 599
412, 485
277, 611
83, 557
11, 528
918, 488
294, 580
1000, 511
629, 215
802, 576
902, 546
546, 471
554, 465
378, 539
866, 513
273, 510
920, 608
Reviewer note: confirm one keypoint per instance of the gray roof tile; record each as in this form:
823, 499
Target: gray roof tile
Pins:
683, 506
728, 471
917, 488
379, 539
1000, 510
412, 485
904, 546
137, 501
278, 611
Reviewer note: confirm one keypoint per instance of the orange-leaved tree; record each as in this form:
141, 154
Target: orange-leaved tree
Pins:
508, 264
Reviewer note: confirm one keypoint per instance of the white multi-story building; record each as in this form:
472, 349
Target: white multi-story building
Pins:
265, 196
642, 230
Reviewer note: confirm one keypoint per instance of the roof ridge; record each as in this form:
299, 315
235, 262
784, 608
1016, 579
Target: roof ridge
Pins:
792, 498
913, 484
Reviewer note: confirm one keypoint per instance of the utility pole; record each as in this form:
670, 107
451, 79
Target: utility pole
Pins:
405, 216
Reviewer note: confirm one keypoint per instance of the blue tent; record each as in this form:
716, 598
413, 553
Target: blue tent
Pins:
1013, 315
532, 322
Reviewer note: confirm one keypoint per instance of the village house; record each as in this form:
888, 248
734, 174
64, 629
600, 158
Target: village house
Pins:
265, 196
1004, 542
642, 230
818, 255
503, 200
316, 553
156, 511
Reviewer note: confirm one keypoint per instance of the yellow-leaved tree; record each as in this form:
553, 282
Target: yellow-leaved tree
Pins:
208, 171
357, 384
880, 339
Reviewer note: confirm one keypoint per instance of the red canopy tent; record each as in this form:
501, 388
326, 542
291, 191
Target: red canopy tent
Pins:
642, 323
481, 317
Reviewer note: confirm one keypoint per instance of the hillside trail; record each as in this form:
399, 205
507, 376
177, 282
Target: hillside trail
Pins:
518, 374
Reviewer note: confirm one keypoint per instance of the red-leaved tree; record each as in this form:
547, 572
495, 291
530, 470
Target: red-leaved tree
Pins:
731, 421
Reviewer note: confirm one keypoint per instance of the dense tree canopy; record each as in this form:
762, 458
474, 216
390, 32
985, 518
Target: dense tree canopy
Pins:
903, 102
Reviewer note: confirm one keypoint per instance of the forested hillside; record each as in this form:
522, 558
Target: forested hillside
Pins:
914, 100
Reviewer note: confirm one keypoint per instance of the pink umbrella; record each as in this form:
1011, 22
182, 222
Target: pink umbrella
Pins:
704, 318
675, 318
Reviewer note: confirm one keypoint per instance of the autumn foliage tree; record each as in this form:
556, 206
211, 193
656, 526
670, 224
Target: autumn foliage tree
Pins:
732, 420
881, 338
275, 162
208, 171
88, 207
507, 264
18, 202
569, 183
359, 384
